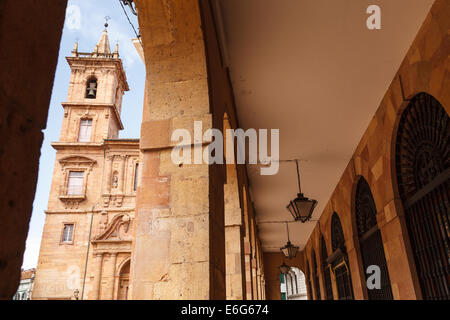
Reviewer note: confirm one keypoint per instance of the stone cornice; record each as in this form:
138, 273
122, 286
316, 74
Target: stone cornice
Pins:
68, 145
96, 106
111, 143
95, 61
80, 211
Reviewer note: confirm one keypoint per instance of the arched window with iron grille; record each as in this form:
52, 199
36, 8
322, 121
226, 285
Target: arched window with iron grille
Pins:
339, 260
316, 277
423, 175
371, 244
326, 270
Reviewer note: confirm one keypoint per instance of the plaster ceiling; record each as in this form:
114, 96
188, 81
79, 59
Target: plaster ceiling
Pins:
312, 69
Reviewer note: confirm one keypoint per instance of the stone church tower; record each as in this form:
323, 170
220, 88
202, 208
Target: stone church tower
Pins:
86, 243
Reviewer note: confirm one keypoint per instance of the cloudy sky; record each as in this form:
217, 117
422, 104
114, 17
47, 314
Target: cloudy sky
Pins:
84, 23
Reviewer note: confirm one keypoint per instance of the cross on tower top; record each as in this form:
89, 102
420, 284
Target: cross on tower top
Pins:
107, 18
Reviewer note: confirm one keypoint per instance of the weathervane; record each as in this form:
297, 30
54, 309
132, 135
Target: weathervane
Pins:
107, 18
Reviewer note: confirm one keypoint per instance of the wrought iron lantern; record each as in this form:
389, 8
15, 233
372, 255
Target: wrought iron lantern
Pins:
284, 268
289, 250
301, 208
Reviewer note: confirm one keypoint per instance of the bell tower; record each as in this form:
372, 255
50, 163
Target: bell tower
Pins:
94, 101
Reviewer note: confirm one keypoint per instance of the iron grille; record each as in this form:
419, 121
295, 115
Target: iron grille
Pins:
343, 283
316, 277
326, 271
423, 175
339, 260
370, 241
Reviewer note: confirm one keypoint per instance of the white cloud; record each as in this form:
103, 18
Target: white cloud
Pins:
73, 17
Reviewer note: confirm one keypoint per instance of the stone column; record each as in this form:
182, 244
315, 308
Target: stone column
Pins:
179, 245
116, 287
107, 177
401, 266
248, 270
247, 252
113, 257
235, 279
98, 276
123, 161
258, 271
24, 99
253, 258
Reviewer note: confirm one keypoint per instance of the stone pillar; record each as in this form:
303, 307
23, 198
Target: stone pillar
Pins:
98, 276
108, 177
401, 266
116, 287
234, 276
179, 244
25, 90
247, 251
235, 280
258, 271
248, 271
113, 276
253, 259
123, 161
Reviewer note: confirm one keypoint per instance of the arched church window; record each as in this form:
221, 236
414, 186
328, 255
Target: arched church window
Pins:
91, 89
371, 244
326, 270
339, 260
423, 174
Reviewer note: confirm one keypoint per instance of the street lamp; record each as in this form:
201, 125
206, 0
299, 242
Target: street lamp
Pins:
76, 292
289, 250
301, 208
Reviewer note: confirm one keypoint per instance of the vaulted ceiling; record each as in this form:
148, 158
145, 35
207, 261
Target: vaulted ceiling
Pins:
312, 69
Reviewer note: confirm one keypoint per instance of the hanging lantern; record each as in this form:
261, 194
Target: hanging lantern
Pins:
284, 268
289, 250
301, 208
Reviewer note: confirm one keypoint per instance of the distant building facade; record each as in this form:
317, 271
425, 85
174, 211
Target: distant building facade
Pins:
26, 285
86, 242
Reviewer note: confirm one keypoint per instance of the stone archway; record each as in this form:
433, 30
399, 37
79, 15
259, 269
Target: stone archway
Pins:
295, 285
124, 281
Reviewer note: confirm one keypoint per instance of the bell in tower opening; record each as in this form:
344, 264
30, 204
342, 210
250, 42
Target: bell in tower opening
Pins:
91, 90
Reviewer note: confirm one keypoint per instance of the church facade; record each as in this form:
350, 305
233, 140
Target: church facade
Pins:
86, 243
